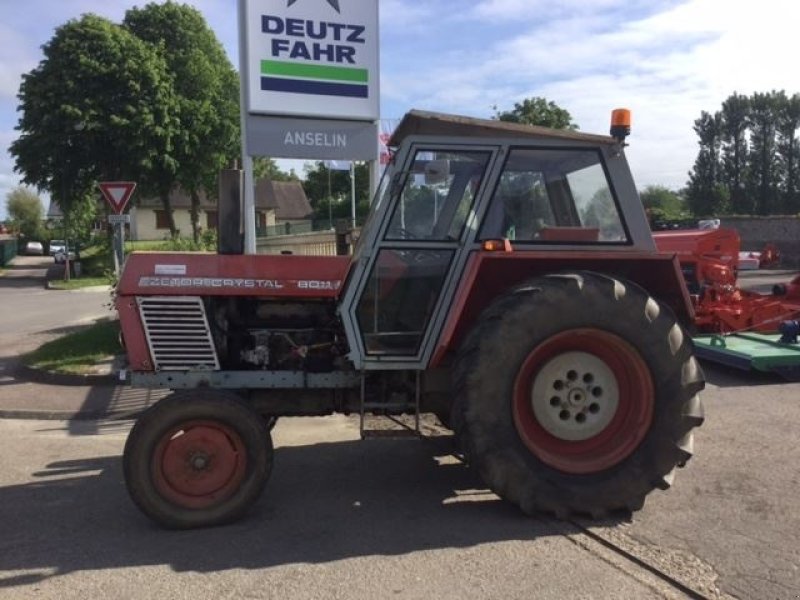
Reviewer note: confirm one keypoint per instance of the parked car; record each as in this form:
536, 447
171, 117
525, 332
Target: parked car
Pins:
61, 256
34, 248
57, 246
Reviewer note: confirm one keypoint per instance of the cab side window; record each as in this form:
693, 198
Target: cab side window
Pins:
554, 195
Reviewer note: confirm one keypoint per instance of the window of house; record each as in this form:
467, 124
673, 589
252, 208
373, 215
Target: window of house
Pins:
162, 222
211, 219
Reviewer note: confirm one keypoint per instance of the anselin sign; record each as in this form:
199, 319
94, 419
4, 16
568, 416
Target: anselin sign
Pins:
311, 78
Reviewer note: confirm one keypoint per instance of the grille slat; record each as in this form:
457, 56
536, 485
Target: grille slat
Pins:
178, 334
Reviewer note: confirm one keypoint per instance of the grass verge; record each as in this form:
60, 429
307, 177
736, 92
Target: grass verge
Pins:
78, 352
76, 284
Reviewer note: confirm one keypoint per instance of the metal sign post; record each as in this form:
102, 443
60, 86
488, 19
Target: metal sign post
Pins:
117, 194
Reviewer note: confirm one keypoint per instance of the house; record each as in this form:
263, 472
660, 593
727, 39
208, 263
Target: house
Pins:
276, 203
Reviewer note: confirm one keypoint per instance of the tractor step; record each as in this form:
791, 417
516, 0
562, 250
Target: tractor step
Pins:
389, 426
388, 434
387, 419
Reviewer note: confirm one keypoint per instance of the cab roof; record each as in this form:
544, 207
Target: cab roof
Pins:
420, 122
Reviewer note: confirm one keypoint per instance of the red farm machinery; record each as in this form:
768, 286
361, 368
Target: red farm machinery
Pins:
734, 326
505, 281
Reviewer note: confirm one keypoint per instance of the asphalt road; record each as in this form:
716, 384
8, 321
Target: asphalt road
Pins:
340, 519
402, 518
30, 310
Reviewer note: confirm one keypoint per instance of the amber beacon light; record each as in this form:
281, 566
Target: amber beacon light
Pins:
620, 123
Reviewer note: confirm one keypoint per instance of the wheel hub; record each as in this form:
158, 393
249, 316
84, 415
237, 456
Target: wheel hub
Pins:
575, 396
199, 461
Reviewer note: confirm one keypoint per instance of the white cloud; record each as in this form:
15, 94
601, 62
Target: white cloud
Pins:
667, 67
667, 60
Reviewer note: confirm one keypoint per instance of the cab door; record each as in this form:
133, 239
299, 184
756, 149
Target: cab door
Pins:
405, 267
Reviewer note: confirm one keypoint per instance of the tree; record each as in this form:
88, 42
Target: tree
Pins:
538, 111
25, 211
762, 181
735, 119
705, 194
662, 203
338, 197
207, 100
99, 106
267, 168
749, 155
788, 151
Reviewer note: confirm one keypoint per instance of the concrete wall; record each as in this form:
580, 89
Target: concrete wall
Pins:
784, 232
320, 243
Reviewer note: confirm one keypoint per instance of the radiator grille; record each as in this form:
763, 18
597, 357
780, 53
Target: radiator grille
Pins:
178, 333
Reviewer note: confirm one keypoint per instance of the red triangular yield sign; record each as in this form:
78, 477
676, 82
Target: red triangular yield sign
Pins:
117, 193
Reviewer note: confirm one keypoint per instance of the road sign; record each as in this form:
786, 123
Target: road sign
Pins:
117, 193
114, 219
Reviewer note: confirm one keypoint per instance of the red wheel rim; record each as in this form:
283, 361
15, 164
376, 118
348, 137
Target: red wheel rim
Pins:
627, 415
198, 464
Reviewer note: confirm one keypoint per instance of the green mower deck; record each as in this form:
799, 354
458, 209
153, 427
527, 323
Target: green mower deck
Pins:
746, 351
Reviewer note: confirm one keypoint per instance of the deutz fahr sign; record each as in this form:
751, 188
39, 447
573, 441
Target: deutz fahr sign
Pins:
313, 58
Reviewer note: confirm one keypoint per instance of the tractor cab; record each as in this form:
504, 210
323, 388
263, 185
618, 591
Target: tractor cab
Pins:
460, 186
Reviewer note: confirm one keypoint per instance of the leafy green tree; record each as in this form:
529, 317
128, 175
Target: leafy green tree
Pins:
206, 98
99, 106
25, 211
762, 181
662, 203
788, 151
338, 195
735, 119
267, 168
538, 111
706, 195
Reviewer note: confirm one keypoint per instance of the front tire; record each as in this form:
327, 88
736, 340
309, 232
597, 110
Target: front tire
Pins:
577, 393
197, 459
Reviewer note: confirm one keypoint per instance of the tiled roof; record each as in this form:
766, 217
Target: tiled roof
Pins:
178, 199
286, 198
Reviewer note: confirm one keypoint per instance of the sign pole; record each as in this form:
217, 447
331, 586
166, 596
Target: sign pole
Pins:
249, 204
353, 191
117, 194
119, 247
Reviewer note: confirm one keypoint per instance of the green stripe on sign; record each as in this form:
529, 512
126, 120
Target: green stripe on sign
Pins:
274, 67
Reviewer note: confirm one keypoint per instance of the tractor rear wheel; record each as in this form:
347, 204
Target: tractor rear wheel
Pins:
577, 393
197, 458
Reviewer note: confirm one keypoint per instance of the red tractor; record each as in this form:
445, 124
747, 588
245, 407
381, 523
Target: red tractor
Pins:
506, 281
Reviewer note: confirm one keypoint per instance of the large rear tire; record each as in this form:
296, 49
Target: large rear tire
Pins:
197, 459
577, 393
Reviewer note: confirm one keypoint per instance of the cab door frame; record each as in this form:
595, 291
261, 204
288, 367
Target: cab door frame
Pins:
374, 240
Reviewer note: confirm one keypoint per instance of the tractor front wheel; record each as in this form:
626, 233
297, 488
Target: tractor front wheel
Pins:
197, 459
577, 393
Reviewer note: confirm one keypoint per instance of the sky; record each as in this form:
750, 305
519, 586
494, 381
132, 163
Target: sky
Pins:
665, 60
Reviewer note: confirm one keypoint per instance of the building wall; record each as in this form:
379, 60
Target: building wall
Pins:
143, 224
784, 232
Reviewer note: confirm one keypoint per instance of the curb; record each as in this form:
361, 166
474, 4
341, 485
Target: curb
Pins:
38, 376
66, 415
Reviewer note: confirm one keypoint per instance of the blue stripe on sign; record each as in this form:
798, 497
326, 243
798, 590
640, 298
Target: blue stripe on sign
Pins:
322, 88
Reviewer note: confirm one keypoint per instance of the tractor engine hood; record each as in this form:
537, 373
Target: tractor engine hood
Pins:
201, 274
